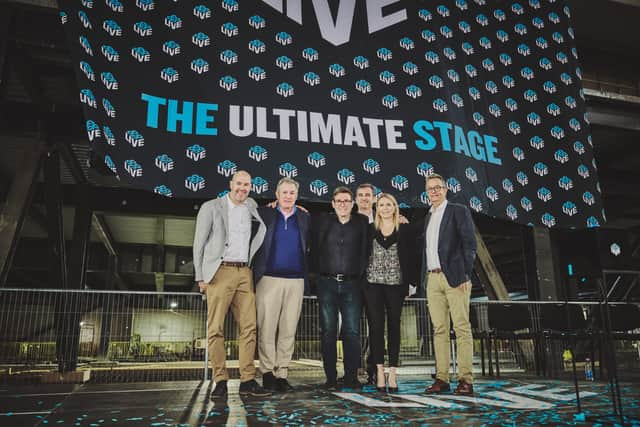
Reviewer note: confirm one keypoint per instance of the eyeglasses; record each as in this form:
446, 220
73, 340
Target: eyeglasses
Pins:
342, 202
435, 189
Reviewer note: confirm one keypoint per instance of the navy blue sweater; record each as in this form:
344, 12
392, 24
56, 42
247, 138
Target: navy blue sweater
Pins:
286, 258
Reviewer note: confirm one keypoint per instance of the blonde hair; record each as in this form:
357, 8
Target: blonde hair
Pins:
377, 222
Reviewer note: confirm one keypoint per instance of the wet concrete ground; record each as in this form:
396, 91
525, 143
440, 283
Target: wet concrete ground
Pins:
522, 402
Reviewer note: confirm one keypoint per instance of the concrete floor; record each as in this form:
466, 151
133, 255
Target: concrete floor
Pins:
522, 401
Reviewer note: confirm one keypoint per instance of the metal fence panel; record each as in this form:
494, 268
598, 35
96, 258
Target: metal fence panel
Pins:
149, 336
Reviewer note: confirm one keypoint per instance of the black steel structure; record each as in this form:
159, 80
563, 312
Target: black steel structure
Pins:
67, 223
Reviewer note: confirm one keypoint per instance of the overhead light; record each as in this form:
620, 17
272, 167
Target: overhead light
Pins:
615, 249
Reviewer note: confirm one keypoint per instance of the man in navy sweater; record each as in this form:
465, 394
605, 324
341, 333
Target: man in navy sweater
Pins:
280, 270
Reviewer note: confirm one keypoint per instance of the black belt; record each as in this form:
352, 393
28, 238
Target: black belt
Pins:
435, 270
234, 264
340, 277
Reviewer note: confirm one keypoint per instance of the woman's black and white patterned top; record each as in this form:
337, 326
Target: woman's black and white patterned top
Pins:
384, 262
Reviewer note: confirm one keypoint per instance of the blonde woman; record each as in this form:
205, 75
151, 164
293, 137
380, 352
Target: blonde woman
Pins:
389, 272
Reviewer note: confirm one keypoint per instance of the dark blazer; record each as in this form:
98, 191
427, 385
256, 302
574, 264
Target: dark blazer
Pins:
407, 253
321, 224
270, 216
456, 245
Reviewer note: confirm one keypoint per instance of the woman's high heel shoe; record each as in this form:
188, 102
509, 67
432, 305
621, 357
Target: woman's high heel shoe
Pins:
392, 389
381, 388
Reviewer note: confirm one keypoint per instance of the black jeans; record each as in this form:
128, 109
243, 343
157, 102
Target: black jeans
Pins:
384, 301
346, 298
371, 367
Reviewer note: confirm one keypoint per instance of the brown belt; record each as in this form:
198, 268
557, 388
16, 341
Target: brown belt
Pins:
234, 264
435, 270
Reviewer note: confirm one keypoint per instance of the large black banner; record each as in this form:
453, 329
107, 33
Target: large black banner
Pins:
180, 94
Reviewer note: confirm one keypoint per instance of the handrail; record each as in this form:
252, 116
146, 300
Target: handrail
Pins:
607, 271
193, 294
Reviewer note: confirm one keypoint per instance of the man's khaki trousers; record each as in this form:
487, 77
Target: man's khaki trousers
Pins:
446, 305
278, 304
232, 286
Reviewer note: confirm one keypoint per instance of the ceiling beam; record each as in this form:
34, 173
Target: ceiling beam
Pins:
611, 96
634, 3
72, 162
40, 3
101, 228
616, 119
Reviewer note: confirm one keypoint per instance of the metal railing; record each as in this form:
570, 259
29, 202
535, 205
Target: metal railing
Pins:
620, 284
150, 336
107, 330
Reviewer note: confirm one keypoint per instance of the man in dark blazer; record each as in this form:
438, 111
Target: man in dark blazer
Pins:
449, 251
280, 273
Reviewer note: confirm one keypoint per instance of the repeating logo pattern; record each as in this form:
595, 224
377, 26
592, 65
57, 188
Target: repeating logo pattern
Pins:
180, 95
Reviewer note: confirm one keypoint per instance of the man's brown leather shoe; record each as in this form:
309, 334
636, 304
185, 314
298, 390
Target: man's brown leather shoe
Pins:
437, 387
464, 389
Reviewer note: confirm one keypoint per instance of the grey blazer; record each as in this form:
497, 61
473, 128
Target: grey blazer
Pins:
210, 238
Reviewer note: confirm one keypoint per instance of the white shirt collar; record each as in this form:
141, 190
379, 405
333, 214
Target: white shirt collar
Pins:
370, 215
233, 205
440, 208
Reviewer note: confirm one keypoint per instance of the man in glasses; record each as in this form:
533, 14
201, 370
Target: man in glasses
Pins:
449, 251
339, 253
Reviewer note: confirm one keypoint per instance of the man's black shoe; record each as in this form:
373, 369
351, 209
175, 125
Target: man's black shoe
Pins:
252, 388
330, 385
371, 372
352, 383
220, 391
283, 386
372, 379
269, 381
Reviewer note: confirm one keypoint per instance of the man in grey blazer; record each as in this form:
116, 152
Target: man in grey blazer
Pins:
228, 234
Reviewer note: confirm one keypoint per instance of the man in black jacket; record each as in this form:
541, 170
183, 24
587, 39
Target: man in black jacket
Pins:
339, 251
280, 271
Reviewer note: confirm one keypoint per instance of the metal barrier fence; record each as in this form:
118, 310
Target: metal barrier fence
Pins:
147, 336
115, 333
